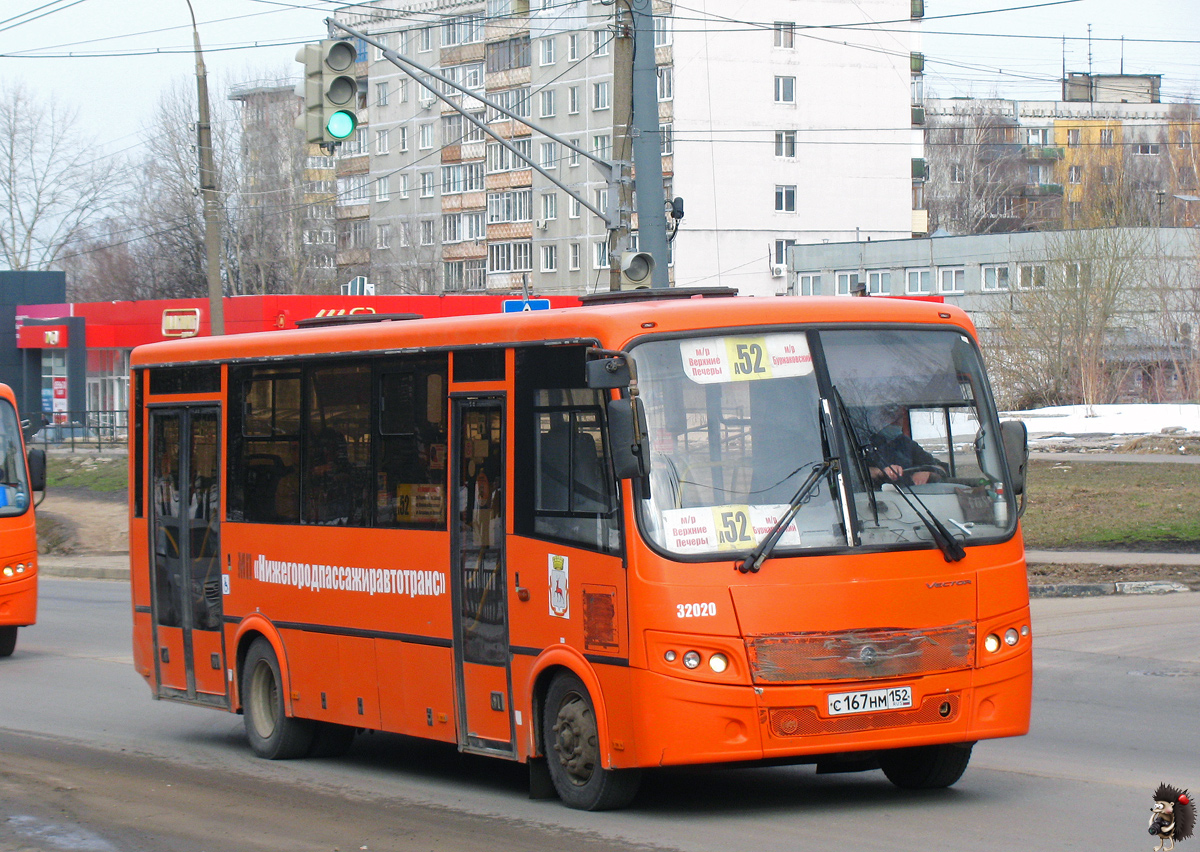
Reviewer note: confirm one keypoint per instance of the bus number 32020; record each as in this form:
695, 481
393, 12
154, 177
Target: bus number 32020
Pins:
695, 610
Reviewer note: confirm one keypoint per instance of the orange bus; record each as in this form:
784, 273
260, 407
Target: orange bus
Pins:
649, 531
20, 476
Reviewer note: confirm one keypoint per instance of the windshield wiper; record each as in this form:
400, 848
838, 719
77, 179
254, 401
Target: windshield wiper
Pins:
952, 549
763, 549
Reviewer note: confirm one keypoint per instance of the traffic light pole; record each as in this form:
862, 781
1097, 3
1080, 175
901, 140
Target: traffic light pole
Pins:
208, 190
621, 183
647, 145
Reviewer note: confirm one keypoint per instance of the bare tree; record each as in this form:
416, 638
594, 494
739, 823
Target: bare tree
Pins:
49, 193
976, 170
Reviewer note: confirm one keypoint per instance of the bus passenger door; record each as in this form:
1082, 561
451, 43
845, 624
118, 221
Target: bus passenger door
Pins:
481, 651
187, 593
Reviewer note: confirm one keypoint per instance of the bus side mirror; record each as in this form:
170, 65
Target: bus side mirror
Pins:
626, 428
37, 469
1015, 437
608, 373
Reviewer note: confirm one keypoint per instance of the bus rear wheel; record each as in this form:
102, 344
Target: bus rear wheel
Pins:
8, 641
572, 747
926, 767
271, 732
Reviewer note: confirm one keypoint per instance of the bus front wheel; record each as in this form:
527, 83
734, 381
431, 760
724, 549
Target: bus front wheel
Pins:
8, 641
926, 767
271, 732
572, 747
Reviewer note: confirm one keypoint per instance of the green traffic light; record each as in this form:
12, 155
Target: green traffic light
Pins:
341, 124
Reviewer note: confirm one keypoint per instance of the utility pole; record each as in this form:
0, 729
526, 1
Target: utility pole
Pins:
647, 147
621, 183
208, 189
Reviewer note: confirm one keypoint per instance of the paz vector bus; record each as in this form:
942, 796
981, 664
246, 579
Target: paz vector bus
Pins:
20, 476
660, 529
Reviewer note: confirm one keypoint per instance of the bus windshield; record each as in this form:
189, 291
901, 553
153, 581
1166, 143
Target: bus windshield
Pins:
737, 423
14, 487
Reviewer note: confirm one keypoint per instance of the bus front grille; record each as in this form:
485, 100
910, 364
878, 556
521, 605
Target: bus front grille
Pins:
860, 654
808, 721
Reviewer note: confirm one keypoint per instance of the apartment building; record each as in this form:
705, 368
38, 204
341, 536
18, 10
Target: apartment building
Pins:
1109, 154
774, 129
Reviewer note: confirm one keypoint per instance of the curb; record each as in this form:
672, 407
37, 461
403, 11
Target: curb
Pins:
1084, 590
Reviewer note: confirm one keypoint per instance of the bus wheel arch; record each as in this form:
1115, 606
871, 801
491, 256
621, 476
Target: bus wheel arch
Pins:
573, 741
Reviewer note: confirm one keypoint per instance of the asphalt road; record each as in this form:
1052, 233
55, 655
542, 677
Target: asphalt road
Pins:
89, 762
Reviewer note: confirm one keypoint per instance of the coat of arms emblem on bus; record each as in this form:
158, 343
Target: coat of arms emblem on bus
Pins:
560, 597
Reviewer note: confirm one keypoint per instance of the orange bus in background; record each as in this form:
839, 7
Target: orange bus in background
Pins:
649, 531
20, 476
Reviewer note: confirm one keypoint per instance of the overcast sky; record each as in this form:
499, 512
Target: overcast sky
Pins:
1016, 54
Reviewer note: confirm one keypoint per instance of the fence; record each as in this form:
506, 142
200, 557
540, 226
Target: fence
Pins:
81, 430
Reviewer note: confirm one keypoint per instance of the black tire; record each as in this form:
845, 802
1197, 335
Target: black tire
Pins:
8, 641
271, 732
926, 767
331, 740
572, 746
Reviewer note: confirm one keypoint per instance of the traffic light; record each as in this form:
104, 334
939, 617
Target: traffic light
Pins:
637, 267
330, 91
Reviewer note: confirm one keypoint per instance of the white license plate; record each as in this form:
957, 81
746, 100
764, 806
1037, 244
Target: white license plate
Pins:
870, 700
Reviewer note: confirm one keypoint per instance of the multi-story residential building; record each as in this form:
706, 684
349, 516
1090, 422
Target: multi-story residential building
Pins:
774, 134
1108, 154
286, 228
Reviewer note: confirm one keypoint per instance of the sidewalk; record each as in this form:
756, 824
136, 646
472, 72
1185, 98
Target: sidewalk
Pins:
115, 566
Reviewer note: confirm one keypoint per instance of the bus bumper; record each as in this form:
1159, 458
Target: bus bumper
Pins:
18, 601
684, 722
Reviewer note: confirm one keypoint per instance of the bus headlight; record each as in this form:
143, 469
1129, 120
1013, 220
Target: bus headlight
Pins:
992, 643
691, 659
1011, 636
718, 663
8, 571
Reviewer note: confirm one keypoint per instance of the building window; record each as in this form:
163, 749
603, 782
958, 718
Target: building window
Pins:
381, 93
550, 258
508, 54
501, 159
1145, 148
547, 103
383, 236
402, 143
1073, 137
1107, 174
879, 282
810, 285
918, 282
951, 279
427, 184
666, 82
1031, 275
573, 256
426, 137
464, 29
602, 204
601, 145
785, 90
573, 100
847, 281
785, 143
1004, 207
573, 157
1184, 139
549, 205
994, 277
600, 254
1075, 174
666, 139
427, 232
548, 155
600, 95
1037, 136
781, 247
1106, 138
785, 33
662, 30
547, 51
383, 188
574, 208
462, 177
572, 47
425, 39
957, 173
1074, 210
510, 257
785, 198
1077, 274
513, 205
600, 42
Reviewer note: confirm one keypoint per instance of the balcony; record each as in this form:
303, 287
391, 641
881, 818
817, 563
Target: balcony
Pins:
1042, 152
1038, 190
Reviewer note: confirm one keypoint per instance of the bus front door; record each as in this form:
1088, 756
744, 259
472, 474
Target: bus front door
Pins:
481, 652
186, 566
